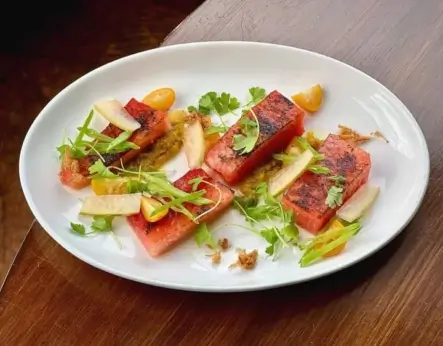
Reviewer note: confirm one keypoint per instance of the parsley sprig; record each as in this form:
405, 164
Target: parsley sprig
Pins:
268, 219
224, 103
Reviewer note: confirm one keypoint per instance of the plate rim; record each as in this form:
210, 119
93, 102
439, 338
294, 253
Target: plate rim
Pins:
214, 288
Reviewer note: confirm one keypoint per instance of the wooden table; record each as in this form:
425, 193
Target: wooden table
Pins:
392, 298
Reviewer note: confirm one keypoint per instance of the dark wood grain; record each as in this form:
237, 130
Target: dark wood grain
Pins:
45, 49
392, 298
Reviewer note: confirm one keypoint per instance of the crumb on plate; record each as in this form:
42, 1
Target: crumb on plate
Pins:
378, 134
347, 133
246, 260
224, 244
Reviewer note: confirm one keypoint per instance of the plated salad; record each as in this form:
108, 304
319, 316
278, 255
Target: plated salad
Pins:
285, 181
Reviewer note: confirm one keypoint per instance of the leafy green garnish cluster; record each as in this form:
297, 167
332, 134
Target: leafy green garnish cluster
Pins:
100, 224
268, 219
203, 236
100, 143
224, 103
245, 141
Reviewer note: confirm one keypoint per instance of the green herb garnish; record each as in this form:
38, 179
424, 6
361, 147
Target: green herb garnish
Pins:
328, 240
216, 129
98, 169
245, 141
101, 144
78, 228
335, 193
335, 197
101, 224
261, 211
195, 182
257, 95
203, 236
317, 169
306, 146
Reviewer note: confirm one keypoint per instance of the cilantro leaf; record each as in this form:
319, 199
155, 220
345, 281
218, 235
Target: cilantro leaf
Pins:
192, 109
99, 169
78, 228
203, 236
335, 197
257, 94
245, 141
225, 104
102, 223
216, 129
206, 103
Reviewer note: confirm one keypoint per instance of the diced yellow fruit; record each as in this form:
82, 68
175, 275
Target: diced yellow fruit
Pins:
194, 144
148, 205
160, 99
116, 114
289, 173
177, 116
127, 204
311, 99
105, 186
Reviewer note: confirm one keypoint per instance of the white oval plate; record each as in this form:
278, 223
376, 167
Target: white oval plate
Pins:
400, 168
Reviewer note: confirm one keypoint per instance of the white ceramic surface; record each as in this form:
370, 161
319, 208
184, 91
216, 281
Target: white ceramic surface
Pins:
400, 168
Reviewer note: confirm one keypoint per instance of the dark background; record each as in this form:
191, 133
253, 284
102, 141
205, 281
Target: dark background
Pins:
44, 47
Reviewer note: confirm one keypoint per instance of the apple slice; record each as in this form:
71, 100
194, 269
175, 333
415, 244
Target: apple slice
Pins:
127, 204
194, 144
117, 115
284, 177
361, 201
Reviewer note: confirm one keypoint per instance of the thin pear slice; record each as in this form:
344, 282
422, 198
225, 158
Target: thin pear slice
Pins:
359, 203
117, 115
194, 144
127, 204
288, 174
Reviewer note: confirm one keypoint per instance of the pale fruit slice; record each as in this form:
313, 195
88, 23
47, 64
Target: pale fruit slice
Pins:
107, 186
281, 181
311, 99
127, 204
194, 144
361, 201
117, 115
148, 205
